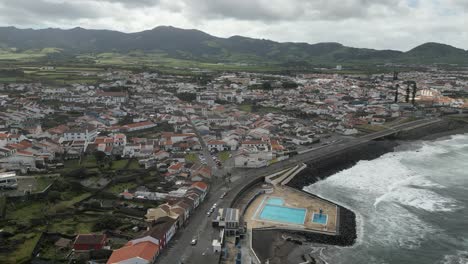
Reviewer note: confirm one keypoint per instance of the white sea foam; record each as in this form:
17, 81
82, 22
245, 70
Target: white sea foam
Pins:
423, 199
461, 257
381, 192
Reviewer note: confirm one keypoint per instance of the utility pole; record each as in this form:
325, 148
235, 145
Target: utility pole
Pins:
397, 87
407, 92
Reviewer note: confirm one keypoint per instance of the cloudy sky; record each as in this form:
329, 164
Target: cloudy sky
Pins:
381, 24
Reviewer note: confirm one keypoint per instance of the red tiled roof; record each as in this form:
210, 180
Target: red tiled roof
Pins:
200, 185
146, 250
90, 239
140, 124
25, 153
216, 142
119, 136
253, 142
176, 166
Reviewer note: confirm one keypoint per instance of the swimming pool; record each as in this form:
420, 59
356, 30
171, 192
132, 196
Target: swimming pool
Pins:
283, 214
320, 218
275, 201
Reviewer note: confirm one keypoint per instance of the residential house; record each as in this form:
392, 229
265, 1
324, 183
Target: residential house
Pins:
163, 230
86, 242
175, 168
217, 145
136, 252
86, 134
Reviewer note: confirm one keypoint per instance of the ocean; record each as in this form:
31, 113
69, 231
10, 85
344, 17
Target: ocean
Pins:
411, 205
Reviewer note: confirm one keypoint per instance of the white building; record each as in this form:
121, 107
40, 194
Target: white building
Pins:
217, 145
81, 134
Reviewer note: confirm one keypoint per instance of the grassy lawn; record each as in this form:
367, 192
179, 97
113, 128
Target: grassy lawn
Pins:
43, 182
89, 161
459, 118
24, 212
120, 187
246, 108
70, 226
70, 165
134, 165
370, 128
63, 205
119, 164
269, 109
259, 109
192, 157
23, 252
49, 251
273, 161
223, 156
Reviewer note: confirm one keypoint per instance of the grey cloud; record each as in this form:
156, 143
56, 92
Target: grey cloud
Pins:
461, 3
47, 10
258, 10
134, 3
246, 9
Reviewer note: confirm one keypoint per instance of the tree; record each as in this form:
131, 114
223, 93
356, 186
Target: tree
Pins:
266, 86
54, 196
100, 156
187, 97
289, 85
108, 222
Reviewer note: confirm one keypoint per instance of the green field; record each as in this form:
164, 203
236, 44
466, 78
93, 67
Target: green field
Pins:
24, 250
73, 68
192, 157
80, 224
68, 204
120, 187
119, 164
246, 108
224, 156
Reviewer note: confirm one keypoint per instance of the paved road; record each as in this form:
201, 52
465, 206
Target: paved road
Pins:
199, 226
199, 223
206, 153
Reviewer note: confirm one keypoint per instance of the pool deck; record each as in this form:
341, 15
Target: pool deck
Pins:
296, 199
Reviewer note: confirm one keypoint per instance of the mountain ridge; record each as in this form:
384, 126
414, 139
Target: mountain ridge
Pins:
199, 45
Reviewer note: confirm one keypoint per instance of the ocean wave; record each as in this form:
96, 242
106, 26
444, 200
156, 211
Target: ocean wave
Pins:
382, 193
461, 257
423, 199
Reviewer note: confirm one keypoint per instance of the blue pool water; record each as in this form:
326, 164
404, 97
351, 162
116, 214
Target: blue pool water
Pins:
283, 214
320, 218
275, 201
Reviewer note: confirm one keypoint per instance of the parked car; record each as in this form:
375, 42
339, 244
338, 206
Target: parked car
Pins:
223, 195
194, 241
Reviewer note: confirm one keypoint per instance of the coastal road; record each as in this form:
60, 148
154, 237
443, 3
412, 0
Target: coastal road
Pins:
199, 224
